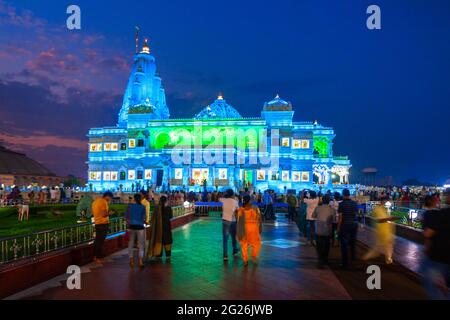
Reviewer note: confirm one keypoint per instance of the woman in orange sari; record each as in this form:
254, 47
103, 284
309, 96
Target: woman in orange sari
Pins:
249, 227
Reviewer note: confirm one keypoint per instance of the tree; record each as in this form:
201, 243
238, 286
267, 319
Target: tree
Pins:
71, 181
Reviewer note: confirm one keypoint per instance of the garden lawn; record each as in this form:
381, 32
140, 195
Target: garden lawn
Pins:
43, 220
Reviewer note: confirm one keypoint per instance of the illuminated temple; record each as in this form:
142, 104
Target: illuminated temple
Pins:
216, 148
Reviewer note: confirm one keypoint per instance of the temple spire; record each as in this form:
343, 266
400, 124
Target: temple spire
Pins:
137, 39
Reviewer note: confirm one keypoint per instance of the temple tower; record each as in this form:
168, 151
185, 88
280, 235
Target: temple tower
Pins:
144, 90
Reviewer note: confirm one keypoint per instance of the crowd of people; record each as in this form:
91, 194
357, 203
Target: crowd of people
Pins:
403, 196
45, 195
323, 218
151, 242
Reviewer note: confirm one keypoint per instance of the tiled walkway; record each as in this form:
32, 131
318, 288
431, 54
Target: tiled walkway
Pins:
287, 270
407, 253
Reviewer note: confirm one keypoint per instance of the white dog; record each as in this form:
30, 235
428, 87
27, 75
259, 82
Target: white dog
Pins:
24, 211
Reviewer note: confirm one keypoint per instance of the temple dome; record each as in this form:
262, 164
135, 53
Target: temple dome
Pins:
218, 109
277, 104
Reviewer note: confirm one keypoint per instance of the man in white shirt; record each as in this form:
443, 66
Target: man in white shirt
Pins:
311, 204
53, 194
230, 207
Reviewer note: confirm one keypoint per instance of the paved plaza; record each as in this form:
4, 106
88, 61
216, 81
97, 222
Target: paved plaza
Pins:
287, 270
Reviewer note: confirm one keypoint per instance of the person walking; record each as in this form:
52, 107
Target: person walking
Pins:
136, 231
230, 206
311, 204
161, 231
347, 227
301, 217
335, 205
146, 204
324, 216
292, 205
435, 267
249, 228
268, 207
101, 212
384, 232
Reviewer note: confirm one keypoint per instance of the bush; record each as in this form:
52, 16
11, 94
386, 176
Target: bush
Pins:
7, 212
60, 207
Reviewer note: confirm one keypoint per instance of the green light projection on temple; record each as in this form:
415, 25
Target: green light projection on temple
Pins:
321, 146
188, 136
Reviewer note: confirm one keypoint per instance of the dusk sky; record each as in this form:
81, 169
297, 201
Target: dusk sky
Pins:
385, 92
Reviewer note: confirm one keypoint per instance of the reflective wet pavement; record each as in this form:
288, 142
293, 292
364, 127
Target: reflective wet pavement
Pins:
286, 270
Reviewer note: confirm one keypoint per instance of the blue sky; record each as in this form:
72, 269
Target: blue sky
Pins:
385, 92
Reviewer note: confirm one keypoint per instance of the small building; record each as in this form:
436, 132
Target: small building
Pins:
16, 169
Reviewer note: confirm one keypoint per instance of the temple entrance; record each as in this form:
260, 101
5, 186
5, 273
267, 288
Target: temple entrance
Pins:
159, 177
200, 175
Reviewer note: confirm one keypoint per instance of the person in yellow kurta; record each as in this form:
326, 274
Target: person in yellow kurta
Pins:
249, 227
146, 204
384, 233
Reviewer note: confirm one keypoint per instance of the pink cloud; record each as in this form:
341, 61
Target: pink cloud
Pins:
42, 141
91, 39
9, 15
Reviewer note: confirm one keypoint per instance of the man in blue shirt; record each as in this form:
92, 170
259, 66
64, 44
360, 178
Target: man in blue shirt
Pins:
136, 217
347, 227
267, 201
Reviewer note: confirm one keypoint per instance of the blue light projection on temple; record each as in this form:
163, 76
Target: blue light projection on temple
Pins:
139, 151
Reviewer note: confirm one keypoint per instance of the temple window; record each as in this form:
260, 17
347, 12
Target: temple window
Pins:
122, 175
148, 174
114, 146
285, 175
113, 175
223, 174
296, 176
107, 175
260, 175
95, 147
123, 146
285, 142
140, 174
305, 144
95, 175
178, 173
131, 174
274, 175
140, 142
300, 144
108, 146
305, 176
131, 143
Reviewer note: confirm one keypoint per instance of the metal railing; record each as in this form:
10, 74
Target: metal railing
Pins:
34, 244
38, 243
409, 216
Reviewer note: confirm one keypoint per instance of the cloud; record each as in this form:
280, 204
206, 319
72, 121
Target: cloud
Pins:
41, 141
91, 39
37, 123
9, 15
